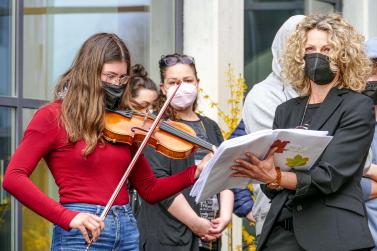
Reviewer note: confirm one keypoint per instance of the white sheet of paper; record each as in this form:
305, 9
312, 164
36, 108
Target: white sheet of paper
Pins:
301, 147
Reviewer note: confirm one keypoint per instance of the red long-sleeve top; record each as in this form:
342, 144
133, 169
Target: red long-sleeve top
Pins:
80, 179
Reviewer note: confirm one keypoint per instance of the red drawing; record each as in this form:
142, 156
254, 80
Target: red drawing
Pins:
280, 145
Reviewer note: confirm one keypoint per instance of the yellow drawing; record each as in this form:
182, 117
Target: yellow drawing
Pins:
297, 160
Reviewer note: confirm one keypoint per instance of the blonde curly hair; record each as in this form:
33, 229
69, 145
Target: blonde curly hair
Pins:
346, 53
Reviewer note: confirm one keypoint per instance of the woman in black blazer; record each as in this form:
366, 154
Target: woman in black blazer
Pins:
320, 209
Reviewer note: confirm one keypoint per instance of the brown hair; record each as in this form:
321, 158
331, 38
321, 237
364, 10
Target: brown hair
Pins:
346, 54
170, 112
139, 80
83, 105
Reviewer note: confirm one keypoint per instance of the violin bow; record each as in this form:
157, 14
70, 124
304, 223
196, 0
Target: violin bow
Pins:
136, 157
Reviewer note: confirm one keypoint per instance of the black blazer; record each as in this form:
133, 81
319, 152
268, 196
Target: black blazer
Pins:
328, 210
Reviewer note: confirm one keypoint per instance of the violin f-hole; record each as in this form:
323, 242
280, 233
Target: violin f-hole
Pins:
133, 129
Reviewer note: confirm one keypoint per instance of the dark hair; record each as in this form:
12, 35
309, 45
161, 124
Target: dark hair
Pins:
180, 59
139, 80
170, 113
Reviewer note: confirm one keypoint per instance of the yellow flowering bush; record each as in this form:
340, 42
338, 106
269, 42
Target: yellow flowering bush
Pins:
237, 86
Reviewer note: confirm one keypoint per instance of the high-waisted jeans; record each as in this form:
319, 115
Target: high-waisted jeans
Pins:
120, 233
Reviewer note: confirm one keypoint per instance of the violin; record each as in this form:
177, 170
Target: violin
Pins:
114, 131
173, 139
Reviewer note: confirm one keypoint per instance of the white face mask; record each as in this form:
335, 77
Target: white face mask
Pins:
184, 97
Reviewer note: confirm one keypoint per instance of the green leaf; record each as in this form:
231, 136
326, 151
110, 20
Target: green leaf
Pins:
297, 160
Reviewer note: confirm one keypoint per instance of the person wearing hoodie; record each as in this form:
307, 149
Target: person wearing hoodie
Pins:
259, 110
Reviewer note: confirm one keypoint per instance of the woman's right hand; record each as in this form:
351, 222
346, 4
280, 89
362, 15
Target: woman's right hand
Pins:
88, 224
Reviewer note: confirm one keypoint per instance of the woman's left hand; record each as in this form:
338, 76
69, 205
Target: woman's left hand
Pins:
218, 225
261, 170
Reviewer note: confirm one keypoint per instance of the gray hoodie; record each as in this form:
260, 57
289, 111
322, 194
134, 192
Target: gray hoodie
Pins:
261, 102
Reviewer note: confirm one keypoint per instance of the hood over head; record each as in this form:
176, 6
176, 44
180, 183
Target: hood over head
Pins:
280, 39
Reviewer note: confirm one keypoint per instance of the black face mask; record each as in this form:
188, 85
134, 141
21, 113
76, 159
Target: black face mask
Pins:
317, 68
113, 94
371, 91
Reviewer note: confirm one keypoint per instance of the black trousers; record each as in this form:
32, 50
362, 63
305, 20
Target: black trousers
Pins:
282, 240
285, 240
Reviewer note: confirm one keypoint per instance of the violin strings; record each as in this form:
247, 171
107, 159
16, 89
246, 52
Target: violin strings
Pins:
189, 136
185, 135
169, 128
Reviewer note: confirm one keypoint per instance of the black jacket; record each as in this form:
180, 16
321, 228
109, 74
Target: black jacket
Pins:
159, 230
328, 210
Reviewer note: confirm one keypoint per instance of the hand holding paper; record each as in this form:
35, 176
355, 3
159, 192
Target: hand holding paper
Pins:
202, 164
261, 170
295, 148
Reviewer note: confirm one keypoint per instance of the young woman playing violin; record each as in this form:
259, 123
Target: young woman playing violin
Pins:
177, 222
67, 134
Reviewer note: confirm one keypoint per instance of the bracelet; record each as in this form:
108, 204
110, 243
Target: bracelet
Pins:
275, 184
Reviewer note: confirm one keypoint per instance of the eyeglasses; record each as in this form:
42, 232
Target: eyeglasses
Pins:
114, 79
174, 59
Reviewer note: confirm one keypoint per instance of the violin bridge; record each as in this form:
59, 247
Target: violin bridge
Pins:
145, 119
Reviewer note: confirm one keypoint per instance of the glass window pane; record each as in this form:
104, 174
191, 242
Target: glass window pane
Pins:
36, 231
261, 1
6, 143
53, 34
5, 48
260, 29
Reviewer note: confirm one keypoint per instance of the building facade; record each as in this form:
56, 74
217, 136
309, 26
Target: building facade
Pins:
39, 39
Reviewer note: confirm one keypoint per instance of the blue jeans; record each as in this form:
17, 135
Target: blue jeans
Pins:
120, 233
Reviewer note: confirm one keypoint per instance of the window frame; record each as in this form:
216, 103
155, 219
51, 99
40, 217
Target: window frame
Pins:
18, 102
